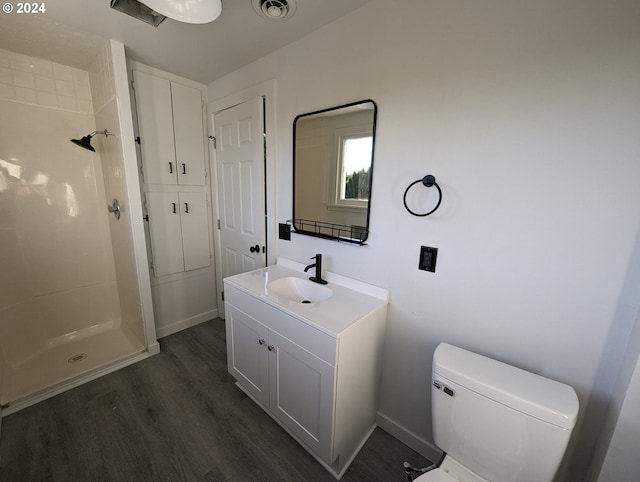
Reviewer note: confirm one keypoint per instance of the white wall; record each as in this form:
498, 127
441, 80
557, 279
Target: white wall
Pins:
527, 113
621, 462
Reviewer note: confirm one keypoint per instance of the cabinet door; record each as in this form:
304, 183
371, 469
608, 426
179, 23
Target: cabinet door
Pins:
155, 124
195, 230
302, 393
189, 134
165, 232
247, 353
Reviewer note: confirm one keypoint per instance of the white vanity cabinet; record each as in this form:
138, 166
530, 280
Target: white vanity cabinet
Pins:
171, 131
322, 387
288, 380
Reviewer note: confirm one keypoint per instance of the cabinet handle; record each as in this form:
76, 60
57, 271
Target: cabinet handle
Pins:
186, 208
261, 341
174, 207
271, 348
184, 168
171, 168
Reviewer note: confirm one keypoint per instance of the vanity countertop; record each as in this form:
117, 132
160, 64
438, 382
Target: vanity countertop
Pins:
351, 301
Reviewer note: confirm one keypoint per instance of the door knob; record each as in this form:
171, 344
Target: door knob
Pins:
255, 249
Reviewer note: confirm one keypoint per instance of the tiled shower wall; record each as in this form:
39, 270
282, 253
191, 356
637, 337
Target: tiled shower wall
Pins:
58, 275
47, 84
102, 79
107, 116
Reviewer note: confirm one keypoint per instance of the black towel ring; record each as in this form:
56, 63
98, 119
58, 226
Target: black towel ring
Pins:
427, 181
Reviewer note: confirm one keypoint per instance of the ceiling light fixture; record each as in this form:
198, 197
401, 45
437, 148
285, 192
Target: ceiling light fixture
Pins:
274, 9
188, 11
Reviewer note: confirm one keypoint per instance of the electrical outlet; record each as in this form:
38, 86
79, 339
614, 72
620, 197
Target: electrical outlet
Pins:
428, 257
284, 231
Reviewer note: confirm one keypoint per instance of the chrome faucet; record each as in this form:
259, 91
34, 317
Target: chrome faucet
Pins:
318, 266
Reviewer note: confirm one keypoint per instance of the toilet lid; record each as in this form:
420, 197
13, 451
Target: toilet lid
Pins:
436, 475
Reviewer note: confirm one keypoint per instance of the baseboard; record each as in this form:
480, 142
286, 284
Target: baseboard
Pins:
408, 438
153, 348
167, 330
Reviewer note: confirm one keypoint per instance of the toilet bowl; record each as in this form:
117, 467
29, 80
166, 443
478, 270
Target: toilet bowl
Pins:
495, 422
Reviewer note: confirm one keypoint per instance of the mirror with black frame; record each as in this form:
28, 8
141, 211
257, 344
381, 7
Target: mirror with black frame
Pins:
332, 171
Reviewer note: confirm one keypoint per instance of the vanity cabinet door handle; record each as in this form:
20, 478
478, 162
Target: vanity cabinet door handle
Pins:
174, 207
261, 341
271, 348
171, 168
184, 168
186, 208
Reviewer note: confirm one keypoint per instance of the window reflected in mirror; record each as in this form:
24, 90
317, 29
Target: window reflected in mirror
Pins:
333, 165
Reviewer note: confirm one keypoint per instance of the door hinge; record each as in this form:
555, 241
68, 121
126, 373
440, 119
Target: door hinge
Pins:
215, 144
218, 224
264, 249
223, 296
137, 140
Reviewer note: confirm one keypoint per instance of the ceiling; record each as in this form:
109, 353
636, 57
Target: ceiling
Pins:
72, 32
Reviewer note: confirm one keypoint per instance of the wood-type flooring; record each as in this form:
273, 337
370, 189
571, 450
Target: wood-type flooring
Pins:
177, 416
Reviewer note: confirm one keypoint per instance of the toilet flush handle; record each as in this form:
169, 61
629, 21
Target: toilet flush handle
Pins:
441, 386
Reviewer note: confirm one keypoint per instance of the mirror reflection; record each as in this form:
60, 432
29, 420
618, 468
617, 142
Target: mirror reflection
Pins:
332, 167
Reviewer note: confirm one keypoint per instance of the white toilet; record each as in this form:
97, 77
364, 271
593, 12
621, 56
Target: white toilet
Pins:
496, 422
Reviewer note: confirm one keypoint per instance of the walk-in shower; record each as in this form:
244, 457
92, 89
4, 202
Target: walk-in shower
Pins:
75, 300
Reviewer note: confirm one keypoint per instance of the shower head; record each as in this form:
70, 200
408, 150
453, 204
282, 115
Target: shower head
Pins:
86, 140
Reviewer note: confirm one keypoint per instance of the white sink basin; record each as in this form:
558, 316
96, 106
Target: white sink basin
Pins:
299, 290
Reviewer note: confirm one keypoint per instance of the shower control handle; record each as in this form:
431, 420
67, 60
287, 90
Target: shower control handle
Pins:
262, 341
171, 168
115, 208
271, 348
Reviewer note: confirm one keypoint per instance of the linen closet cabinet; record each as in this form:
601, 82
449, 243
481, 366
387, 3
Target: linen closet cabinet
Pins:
176, 196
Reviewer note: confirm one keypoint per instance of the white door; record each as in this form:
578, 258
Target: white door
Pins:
195, 230
301, 393
247, 355
155, 123
165, 232
189, 135
179, 231
240, 167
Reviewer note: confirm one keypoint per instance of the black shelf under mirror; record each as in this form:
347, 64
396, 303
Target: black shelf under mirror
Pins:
348, 234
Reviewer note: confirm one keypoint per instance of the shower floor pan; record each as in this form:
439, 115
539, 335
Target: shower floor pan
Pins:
65, 366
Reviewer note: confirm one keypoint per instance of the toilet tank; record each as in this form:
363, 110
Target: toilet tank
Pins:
502, 423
